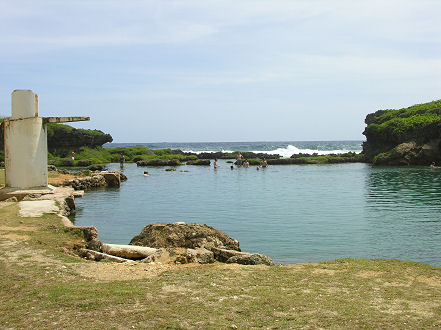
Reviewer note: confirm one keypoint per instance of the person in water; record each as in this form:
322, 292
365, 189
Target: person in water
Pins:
146, 173
215, 163
432, 165
232, 167
246, 163
263, 163
122, 160
239, 159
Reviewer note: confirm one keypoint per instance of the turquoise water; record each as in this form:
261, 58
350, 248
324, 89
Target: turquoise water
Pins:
292, 213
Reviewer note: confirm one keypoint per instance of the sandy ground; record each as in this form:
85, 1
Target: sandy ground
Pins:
37, 208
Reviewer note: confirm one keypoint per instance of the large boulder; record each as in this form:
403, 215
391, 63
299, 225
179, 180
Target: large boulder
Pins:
112, 179
181, 243
180, 234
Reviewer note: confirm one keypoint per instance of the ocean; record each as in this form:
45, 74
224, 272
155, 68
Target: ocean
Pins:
284, 149
292, 213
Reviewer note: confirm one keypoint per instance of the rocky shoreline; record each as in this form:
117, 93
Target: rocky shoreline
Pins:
175, 243
163, 243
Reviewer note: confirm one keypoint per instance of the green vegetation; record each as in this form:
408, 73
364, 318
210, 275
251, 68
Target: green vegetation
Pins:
381, 158
99, 155
84, 157
168, 157
53, 128
350, 157
430, 108
388, 123
44, 285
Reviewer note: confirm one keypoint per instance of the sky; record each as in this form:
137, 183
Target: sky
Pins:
230, 70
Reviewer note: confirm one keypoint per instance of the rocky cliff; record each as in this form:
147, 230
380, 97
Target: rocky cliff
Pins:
408, 136
66, 137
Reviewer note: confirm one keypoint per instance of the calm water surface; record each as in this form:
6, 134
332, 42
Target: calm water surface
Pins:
292, 213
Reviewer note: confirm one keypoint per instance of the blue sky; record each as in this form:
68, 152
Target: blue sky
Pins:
242, 70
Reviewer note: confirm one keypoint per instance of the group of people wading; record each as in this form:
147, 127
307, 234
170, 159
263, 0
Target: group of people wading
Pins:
240, 161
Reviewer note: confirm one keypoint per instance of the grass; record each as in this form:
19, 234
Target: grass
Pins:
42, 285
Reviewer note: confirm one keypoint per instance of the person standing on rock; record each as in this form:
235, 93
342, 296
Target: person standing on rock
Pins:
72, 155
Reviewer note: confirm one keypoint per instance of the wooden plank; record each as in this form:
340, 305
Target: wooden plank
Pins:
63, 119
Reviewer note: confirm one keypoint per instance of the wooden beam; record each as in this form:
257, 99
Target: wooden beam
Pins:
63, 119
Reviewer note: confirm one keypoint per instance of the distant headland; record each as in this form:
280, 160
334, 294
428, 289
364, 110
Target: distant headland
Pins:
408, 136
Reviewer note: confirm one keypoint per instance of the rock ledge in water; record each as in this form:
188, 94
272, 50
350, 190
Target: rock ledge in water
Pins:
181, 243
192, 236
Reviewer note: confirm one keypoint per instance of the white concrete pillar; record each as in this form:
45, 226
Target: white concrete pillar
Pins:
25, 143
24, 104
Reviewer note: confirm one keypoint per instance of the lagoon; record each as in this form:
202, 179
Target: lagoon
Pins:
293, 213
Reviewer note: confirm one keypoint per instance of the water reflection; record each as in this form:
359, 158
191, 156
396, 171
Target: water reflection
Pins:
403, 211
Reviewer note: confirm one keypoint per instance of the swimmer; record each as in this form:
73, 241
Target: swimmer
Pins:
146, 173
257, 168
239, 159
432, 165
215, 163
232, 167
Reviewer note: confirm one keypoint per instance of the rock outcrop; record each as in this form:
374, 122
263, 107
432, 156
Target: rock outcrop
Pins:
69, 138
95, 180
203, 162
182, 243
179, 234
159, 162
410, 136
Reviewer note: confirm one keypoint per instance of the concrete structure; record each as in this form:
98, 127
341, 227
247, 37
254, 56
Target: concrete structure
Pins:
26, 142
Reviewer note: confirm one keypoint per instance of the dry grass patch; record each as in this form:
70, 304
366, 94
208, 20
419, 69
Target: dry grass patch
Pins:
18, 228
15, 237
57, 179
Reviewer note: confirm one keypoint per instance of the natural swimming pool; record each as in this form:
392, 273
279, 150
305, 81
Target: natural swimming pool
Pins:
294, 213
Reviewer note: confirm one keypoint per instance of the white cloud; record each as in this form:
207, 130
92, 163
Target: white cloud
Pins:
45, 25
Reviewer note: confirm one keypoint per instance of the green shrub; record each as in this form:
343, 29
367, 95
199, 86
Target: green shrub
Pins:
66, 162
84, 163
392, 124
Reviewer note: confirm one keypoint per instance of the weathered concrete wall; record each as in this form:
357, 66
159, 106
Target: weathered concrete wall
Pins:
25, 153
24, 104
